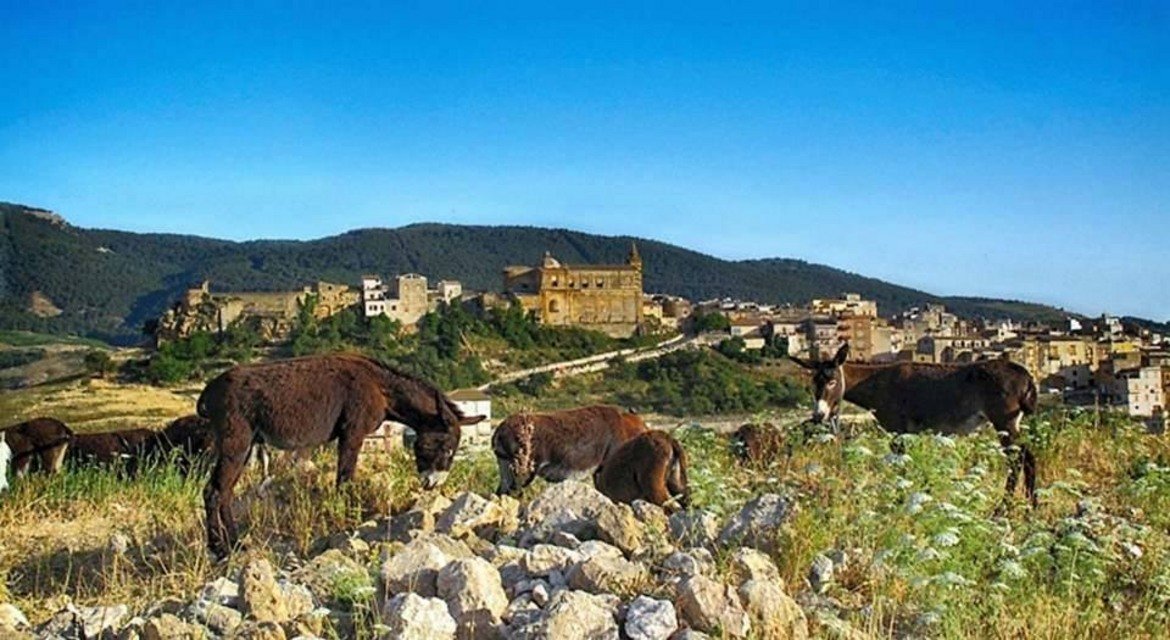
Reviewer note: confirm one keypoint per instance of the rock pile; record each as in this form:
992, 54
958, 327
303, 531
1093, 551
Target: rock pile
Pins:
571, 564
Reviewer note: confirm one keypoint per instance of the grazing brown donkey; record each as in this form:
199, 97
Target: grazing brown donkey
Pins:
758, 443
104, 449
651, 466
186, 441
306, 402
42, 440
911, 397
560, 444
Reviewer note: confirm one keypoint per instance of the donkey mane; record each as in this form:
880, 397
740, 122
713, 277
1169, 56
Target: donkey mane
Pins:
402, 379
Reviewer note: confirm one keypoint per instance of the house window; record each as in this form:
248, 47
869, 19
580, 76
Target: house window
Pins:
554, 306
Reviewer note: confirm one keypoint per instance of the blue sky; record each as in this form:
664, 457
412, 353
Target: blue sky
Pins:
966, 148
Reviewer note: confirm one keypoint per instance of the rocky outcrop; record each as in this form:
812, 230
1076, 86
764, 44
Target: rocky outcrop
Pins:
571, 564
758, 523
409, 616
475, 597
708, 605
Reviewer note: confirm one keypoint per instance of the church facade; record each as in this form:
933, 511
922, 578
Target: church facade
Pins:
602, 297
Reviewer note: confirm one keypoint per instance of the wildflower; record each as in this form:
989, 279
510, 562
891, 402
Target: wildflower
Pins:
946, 539
1012, 570
916, 501
952, 579
1132, 549
1079, 539
944, 441
896, 459
903, 484
929, 619
930, 553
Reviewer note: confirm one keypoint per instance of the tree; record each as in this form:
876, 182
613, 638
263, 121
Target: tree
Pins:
99, 363
711, 321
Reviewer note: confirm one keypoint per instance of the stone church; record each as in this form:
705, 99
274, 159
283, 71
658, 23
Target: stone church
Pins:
602, 297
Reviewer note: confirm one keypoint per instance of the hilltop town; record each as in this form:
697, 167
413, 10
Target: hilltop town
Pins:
1101, 362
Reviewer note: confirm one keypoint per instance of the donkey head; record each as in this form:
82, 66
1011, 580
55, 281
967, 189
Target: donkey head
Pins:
438, 439
828, 384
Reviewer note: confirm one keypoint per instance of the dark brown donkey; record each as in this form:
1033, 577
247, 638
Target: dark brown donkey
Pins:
560, 444
912, 397
42, 440
306, 402
108, 448
186, 441
651, 466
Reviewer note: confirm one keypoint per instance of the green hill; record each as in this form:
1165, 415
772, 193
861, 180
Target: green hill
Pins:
58, 278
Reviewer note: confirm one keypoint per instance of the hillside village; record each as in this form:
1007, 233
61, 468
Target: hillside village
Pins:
1088, 362
1101, 362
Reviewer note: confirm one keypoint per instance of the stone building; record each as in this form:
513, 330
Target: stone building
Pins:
949, 349
602, 297
407, 298
1142, 391
273, 312
851, 305
822, 337
1059, 361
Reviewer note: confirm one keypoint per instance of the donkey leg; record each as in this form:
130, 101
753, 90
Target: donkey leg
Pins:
54, 458
655, 490
1013, 458
507, 478
217, 501
217, 496
1030, 475
349, 445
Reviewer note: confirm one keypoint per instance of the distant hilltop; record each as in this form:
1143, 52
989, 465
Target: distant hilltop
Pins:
43, 214
108, 284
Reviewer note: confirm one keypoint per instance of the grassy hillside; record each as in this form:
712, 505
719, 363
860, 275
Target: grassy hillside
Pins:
107, 283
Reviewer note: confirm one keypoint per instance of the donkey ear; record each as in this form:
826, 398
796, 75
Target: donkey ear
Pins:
471, 420
801, 362
842, 355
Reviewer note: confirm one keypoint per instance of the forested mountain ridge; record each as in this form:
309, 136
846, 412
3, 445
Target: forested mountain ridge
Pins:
107, 283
